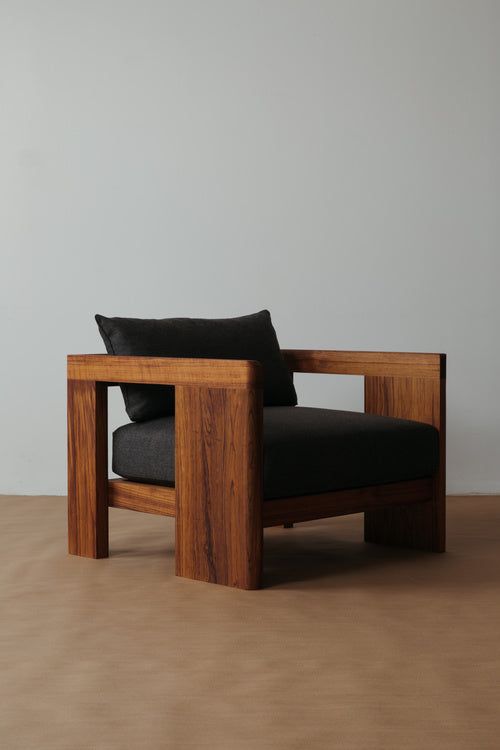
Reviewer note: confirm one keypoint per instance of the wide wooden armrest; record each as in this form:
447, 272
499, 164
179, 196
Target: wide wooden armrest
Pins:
210, 373
384, 364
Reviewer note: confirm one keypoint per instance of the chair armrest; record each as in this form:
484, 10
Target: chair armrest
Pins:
210, 373
404, 385
384, 364
218, 460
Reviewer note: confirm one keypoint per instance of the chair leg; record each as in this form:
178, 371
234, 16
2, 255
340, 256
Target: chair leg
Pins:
218, 485
87, 469
419, 526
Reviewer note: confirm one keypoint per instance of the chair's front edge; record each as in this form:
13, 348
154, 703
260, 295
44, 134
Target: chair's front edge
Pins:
218, 477
421, 526
87, 469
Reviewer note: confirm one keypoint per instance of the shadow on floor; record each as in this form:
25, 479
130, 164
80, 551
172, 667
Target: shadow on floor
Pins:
308, 558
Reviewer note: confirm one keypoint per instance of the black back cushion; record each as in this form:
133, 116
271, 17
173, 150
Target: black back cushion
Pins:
248, 337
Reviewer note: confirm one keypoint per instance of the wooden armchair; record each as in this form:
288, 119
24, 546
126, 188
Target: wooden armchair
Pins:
218, 500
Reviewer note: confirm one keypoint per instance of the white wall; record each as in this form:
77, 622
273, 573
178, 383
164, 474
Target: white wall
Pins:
337, 162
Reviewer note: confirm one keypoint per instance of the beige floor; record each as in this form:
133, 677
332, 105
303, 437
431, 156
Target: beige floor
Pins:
349, 646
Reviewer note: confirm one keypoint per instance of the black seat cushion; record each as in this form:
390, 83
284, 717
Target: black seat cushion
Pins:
306, 450
248, 337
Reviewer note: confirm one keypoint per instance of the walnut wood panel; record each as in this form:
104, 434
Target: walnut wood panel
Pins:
365, 363
87, 469
219, 485
342, 502
422, 400
146, 498
214, 373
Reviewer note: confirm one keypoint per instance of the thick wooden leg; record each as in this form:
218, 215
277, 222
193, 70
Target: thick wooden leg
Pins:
423, 525
218, 481
413, 526
87, 469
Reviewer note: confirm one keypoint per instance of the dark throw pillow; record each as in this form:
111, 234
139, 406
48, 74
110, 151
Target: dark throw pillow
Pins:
248, 337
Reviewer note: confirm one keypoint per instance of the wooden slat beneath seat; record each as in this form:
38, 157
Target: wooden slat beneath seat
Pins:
343, 502
152, 498
146, 498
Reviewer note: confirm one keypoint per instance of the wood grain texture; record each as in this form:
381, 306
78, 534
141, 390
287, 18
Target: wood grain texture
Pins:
343, 502
364, 363
423, 400
159, 500
219, 485
87, 469
145, 498
213, 373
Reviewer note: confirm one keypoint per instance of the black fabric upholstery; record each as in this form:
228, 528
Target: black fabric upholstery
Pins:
306, 450
249, 337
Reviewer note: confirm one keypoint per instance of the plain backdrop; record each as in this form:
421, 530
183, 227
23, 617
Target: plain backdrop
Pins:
335, 162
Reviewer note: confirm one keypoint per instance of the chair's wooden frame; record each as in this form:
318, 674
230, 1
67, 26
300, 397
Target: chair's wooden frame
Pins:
217, 500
